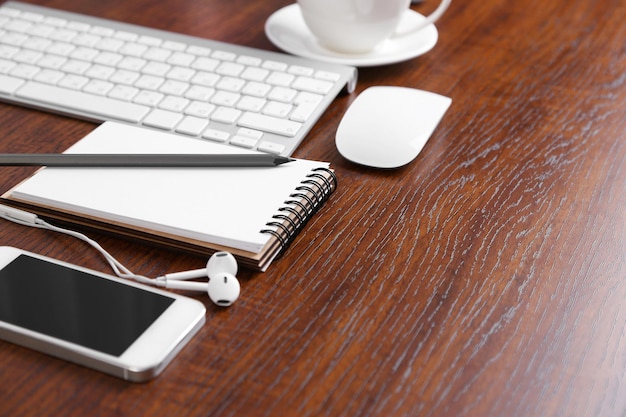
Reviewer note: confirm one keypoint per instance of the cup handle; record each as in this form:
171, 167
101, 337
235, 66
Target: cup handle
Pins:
432, 18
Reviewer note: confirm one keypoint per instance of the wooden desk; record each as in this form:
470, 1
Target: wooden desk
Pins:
487, 278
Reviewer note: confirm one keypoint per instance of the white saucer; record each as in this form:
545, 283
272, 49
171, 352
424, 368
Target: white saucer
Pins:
286, 29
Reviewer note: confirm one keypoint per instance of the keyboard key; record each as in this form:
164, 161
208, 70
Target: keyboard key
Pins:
274, 65
24, 71
18, 25
98, 87
75, 82
197, 92
108, 58
254, 74
205, 79
308, 98
269, 124
109, 44
48, 76
162, 119
327, 76
61, 48
78, 100
243, 141
86, 39
181, 74
7, 51
215, 135
149, 82
192, 125
174, 46
176, 104
77, 26
6, 65
312, 85
54, 21
52, 61
230, 68
230, 84
123, 92
74, 66
286, 95
306, 104
253, 104
157, 54
176, 88
37, 43
101, 72
133, 49
9, 11
205, 64
225, 115
156, 68
125, 36
181, 59
225, 98
124, 77
9, 85
14, 38
251, 61
33, 17
149, 40
256, 89
148, 98
275, 108
303, 112
249, 133
224, 55
200, 109
84, 54
131, 63
101, 31
198, 50
271, 147
63, 35
27, 57
299, 70
280, 78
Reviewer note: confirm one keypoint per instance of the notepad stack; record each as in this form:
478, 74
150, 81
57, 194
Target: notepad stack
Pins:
252, 212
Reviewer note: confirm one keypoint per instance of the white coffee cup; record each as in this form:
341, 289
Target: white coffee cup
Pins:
358, 26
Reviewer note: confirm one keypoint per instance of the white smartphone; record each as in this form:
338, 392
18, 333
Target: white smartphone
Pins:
115, 326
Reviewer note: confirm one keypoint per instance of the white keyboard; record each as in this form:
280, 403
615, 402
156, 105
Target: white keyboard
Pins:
100, 70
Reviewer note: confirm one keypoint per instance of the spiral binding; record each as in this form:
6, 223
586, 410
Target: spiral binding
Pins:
307, 199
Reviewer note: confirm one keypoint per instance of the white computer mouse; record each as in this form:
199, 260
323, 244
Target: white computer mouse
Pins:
387, 127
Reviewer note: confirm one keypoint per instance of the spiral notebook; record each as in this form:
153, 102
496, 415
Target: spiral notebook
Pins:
254, 213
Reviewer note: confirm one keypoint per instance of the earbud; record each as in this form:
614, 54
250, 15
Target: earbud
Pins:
219, 262
223, 288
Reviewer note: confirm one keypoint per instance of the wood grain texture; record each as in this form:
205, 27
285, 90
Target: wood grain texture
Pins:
486, 278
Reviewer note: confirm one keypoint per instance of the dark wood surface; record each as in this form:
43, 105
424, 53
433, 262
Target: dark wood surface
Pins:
486, 278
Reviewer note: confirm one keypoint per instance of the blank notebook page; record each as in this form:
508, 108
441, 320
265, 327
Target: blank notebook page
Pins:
225, 206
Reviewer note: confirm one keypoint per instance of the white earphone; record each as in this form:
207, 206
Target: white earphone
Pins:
223, 288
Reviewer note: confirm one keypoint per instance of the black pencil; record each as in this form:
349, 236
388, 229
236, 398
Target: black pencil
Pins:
143, 160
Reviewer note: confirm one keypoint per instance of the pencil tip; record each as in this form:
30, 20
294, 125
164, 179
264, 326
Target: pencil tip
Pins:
279, 160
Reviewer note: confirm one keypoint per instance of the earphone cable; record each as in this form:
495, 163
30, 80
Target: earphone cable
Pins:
119, 269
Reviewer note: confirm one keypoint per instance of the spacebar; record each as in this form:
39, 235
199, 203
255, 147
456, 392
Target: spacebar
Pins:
60, 98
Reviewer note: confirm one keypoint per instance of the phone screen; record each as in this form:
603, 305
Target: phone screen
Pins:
75, 306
